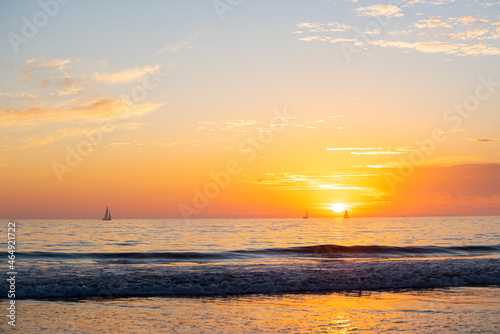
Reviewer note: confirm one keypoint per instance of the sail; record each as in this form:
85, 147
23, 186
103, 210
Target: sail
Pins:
107, 216
345, 214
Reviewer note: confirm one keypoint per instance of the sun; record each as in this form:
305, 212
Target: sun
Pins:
338, 207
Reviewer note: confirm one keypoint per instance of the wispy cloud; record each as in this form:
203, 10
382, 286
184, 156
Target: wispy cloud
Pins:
374, 150
67, 94
19, 95
321, 120
128, 75
471, 34
165, 143
225, 125
67, 102
409, 3
185, 43
91, 111
328, 180
433, 22
471, 20
43, 64
379, 10
65, 133
322, 27
458, 49
460, 36
485, 140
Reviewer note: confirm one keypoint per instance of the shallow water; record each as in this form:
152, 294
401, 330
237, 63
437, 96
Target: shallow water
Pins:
453, 310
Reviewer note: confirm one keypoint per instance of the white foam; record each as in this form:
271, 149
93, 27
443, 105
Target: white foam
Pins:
123, 281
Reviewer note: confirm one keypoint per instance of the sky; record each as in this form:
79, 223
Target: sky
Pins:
237, 108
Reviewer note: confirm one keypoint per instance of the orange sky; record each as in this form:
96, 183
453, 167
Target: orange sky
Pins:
292, 113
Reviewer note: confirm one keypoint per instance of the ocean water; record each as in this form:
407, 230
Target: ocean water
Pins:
425, 274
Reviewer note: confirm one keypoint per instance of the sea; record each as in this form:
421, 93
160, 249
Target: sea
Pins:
362, 275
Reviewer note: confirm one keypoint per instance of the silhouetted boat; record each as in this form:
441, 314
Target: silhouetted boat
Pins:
345, 214
107, 216
306, 216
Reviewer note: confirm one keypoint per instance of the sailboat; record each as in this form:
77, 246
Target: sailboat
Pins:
345, 214
306, 216
107, 216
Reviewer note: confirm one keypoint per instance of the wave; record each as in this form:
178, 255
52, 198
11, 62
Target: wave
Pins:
329, 251
118, 281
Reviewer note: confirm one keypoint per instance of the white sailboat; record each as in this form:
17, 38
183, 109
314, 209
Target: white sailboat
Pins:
107, 216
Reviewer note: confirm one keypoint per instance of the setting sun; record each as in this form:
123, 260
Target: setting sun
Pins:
338, 207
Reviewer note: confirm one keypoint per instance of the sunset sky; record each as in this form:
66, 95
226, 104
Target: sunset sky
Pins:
387, 108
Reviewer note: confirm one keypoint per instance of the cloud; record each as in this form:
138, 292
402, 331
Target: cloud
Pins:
59, 135
471, 20
376, 153
71, 74
379, 10
434, 22
185, 43
310, 25
430, 2
472, 34
64, 101
225, 125
89, 111
321, 120
19, 95
400, 32
315, 27
320, 181
134, 74
484, 140
478, 50
42, 64
458, 36
374, 150
309, 38
457, 49
151, 143
346, 40
382, 165
450, 131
